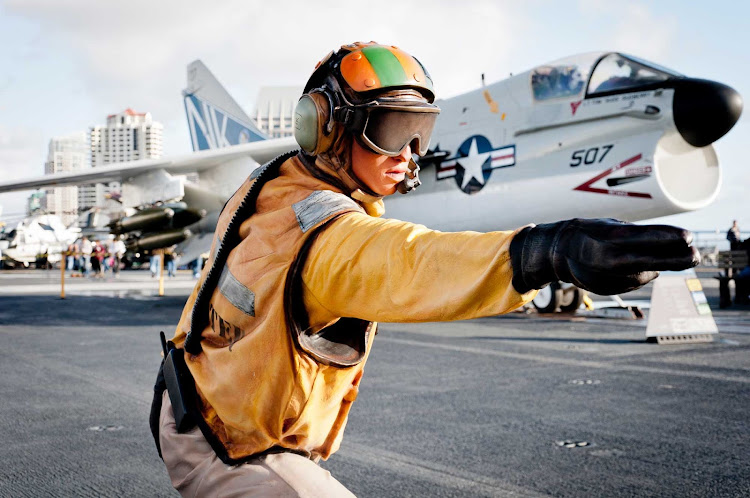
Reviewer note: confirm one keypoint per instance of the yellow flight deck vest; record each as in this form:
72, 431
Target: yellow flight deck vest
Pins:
277, 366
263, 379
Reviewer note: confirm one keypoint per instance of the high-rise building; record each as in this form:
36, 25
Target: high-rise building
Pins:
127, 136
274, 110
66, 153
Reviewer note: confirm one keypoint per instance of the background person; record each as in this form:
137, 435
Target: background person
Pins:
169, 262
197, 265
733, 236
85, 261
97, 257
118, 251
71, 257
154, 264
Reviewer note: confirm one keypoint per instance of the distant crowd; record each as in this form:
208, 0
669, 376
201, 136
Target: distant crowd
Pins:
94, 258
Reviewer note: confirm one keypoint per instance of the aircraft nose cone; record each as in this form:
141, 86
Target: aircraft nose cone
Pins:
704, 111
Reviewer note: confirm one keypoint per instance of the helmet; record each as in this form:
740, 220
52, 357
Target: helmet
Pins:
379, 95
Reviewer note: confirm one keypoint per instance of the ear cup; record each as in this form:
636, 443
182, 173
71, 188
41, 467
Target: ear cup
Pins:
306, 124
312, 122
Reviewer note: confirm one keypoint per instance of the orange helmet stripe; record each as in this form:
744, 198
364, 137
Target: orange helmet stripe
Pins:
413, 70
359, 73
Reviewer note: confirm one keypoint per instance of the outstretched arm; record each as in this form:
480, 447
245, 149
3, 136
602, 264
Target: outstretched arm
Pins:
394, 271
603, 256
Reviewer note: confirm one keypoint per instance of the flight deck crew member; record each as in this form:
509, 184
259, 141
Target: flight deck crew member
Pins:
734, 237
281, 322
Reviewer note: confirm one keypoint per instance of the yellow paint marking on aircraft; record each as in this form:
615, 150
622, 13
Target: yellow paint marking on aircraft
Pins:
492, 103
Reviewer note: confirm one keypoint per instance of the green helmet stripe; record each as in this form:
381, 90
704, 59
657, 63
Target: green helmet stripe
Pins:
386, 66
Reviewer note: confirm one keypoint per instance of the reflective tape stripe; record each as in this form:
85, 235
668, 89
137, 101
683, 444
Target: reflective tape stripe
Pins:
321, 205
240, 296
256, 172
356, 70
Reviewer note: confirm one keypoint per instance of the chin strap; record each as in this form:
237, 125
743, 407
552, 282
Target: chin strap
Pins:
412, 179
361, 196
357, 191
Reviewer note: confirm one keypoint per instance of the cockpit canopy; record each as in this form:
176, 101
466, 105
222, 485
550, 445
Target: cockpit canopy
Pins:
600, 73
615, 72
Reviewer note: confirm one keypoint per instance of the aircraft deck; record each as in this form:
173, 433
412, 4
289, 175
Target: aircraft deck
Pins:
520, 405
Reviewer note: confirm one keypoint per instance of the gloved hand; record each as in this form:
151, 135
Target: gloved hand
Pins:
604, 256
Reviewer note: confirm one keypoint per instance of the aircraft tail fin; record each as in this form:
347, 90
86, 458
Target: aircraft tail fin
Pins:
214, 118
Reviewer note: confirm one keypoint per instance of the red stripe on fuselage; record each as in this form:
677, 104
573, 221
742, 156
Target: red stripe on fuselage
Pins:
586, 186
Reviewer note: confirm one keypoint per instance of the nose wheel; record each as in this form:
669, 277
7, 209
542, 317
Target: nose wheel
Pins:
556, 298
547, 300
572, 299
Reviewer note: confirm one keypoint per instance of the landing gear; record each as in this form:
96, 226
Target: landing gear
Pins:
572, 299
565, 298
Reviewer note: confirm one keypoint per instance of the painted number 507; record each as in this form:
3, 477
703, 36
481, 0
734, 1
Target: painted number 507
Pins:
590, 156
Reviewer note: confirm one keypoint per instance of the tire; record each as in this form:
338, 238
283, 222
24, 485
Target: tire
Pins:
572, 300
548, 299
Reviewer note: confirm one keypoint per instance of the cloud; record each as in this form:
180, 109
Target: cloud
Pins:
126, 48
129, 41
21, 156
634, 28
134, 54
20, 152
641, 32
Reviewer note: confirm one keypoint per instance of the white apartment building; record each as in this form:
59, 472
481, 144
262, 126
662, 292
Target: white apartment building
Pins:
127, 136
66, 153
274, 110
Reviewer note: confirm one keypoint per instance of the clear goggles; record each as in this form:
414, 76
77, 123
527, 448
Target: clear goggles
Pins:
388, 128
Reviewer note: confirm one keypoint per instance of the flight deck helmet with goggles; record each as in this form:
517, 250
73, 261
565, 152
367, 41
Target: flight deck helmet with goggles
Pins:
379, 94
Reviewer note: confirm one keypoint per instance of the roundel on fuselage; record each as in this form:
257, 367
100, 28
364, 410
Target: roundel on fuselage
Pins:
474, 161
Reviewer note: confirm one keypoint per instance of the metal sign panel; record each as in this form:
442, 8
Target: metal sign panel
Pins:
679, 310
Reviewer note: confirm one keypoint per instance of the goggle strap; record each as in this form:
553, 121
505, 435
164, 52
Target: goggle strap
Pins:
343, 114
352, 118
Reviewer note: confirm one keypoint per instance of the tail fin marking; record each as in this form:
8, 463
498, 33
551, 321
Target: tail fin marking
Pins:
206, 103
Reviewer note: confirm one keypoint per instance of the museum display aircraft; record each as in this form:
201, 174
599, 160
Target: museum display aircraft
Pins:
595, 135
38, 240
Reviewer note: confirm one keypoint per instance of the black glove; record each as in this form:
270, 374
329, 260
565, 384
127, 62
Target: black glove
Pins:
603, 256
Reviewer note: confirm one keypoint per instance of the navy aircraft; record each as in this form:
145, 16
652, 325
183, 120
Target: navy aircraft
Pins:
600, 134
35, 239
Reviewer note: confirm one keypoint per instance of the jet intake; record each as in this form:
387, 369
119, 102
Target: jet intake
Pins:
689, 177
704, 110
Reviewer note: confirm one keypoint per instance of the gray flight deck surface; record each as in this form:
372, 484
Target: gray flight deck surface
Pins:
473, 408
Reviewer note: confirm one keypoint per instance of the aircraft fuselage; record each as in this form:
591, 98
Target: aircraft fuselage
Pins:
512, 156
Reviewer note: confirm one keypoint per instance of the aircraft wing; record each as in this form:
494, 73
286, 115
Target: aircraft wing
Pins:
260, 152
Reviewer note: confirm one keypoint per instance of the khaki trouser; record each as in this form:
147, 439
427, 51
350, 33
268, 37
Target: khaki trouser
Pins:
195, 470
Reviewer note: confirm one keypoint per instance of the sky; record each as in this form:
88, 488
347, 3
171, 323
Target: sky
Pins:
69, 63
